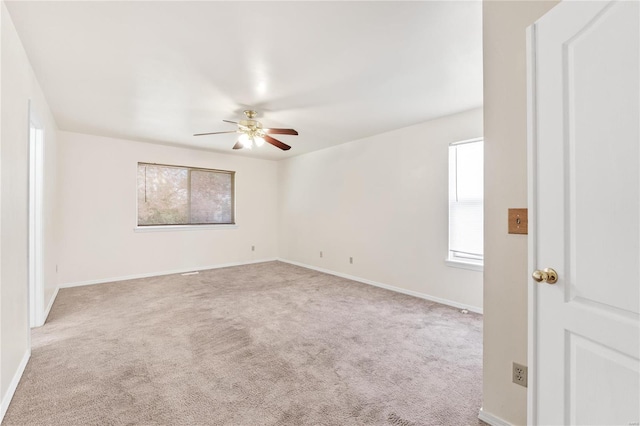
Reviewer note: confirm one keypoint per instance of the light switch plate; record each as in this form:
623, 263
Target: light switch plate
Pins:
518, 221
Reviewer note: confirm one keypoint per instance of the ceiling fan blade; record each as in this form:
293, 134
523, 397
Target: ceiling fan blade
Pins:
238, 145
229, 121
214, 133
280, 131
276, 142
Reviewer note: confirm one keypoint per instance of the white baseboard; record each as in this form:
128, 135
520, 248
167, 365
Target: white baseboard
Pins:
388, 287
158, 274
43, 318
292, 262
491, 419
50, 305
6, 400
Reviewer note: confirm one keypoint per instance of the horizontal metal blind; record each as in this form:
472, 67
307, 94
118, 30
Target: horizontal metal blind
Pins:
466, 200
176, 195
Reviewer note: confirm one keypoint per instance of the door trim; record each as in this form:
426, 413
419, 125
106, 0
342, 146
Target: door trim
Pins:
532, 174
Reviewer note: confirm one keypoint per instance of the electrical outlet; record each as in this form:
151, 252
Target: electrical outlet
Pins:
519, 374
351, 260
320, 254
253, 248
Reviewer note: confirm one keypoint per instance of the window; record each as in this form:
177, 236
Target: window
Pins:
173, 195
466, 196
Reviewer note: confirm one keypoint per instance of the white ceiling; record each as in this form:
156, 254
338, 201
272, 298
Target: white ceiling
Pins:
334, 71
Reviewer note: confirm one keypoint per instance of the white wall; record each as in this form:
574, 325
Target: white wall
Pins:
505, 272
97, 212
382, 200
18, 86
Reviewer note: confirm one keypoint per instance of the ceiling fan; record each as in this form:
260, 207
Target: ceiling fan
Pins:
252, 133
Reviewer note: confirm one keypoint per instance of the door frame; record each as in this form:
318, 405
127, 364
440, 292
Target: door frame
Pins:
532, 175
35, 140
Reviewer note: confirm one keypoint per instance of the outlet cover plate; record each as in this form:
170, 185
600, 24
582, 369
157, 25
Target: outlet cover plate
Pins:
519, 374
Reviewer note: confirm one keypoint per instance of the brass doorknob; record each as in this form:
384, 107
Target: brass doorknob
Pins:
547, 275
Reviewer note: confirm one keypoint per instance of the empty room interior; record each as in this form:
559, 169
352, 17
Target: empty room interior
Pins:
289, 213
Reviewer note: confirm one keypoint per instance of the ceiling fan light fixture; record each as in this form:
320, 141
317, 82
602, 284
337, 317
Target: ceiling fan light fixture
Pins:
245, 140
252, 133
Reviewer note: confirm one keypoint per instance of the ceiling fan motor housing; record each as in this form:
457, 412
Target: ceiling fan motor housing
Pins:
251, 124
251, 127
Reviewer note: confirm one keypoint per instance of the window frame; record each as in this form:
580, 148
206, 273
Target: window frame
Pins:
187, 226
471, 262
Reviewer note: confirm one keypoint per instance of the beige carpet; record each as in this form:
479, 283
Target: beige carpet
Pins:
263, 344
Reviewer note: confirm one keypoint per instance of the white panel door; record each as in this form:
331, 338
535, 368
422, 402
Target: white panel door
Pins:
585, 214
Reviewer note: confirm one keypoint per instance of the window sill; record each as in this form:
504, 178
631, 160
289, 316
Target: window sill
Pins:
464, 265
164, 228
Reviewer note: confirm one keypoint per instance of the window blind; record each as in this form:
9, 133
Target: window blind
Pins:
174, 195
466, 201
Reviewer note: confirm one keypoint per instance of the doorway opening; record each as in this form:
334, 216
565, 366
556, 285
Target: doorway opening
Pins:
36, 239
